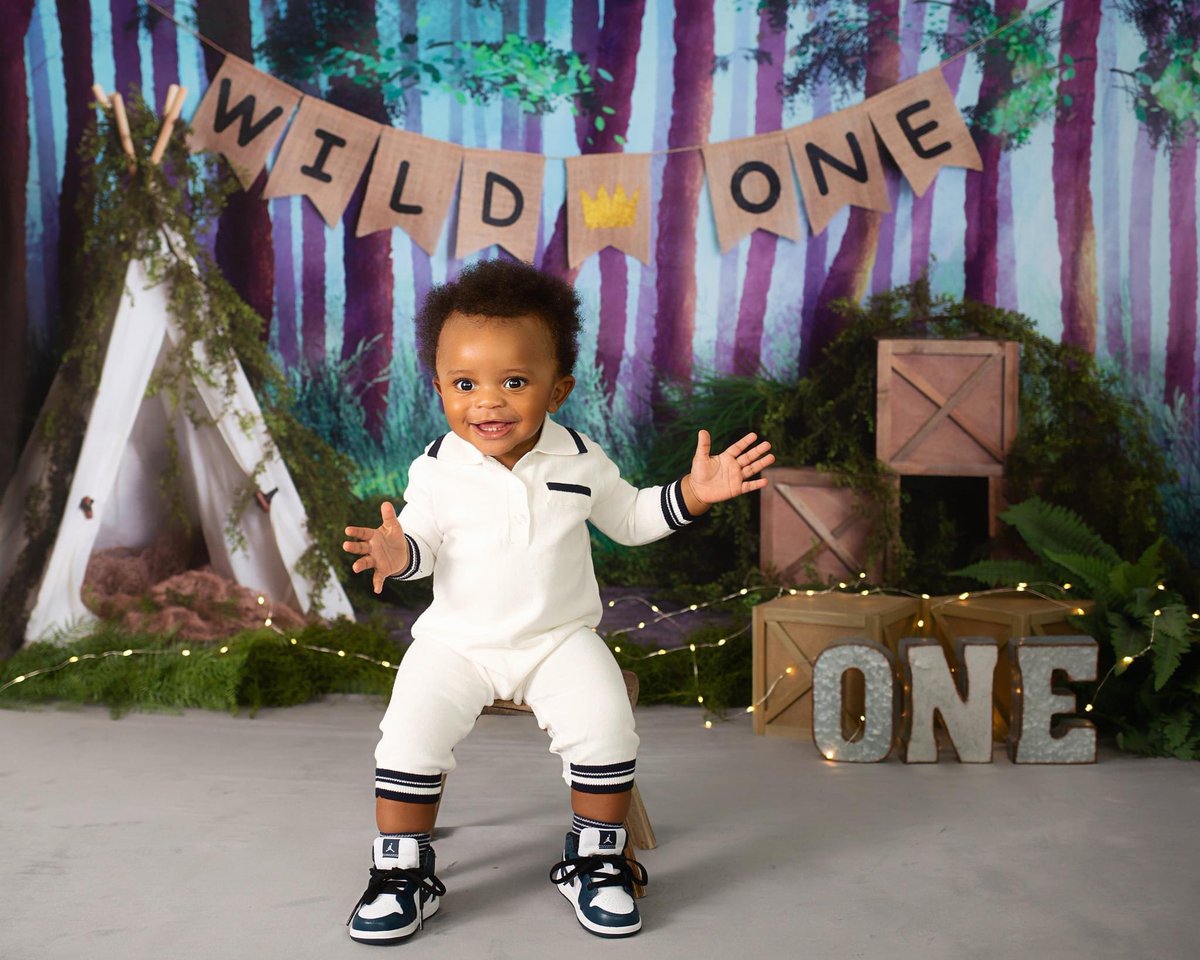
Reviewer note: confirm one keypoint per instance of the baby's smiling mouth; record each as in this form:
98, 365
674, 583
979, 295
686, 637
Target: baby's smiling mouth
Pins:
493, 429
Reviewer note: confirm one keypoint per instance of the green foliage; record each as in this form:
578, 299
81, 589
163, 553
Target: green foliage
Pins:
722, 673
535, 74
1154, 699
832, 51
327, 398
259, 668
1025, 51
305, 43
1165, 86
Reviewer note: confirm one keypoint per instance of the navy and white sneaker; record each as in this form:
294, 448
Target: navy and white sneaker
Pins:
401, 895
598, 879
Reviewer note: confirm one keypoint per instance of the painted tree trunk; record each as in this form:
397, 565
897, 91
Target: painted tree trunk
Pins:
287, 334
163, 37
14, 160
738, 124
615, 50
982, 201
815, 255
1072, 160
312, 285
369, 290
510, 108
74, 22
1181, 332
638, 374
43, 311
850, 272
1112, 273
585, 34
126, 51
683, 179
911, 33
768, 115
244, 248
531, 123
422, 269
922, 207
1141, 219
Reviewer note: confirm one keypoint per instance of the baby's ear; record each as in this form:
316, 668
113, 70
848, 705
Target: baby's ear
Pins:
562, 390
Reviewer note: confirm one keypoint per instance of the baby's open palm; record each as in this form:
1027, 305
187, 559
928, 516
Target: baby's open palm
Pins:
382, 549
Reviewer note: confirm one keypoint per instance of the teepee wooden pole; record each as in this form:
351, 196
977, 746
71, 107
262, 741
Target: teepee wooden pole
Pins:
118, 106
101, 96
171, 110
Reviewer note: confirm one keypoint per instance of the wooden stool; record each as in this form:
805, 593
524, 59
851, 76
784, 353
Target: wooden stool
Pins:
638, 832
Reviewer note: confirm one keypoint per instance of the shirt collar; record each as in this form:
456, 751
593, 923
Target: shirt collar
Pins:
555, 439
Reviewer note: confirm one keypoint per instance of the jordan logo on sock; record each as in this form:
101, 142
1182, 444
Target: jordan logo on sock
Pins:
608, 838
391, 848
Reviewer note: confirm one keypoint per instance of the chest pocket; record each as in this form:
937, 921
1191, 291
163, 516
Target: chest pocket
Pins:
570, 503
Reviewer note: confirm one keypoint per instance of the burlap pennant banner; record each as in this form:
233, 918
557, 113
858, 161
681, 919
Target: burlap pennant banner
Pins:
837, 163
608, 205
413, 180
922, 128
500, 202
242, 116
750, 183
323, 157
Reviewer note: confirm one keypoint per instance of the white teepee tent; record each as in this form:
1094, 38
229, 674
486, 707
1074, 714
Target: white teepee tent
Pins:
123, 456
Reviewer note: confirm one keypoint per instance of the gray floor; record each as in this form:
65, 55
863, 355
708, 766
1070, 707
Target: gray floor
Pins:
212, 836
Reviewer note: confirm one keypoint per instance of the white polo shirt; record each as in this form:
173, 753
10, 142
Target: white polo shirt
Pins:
509, 550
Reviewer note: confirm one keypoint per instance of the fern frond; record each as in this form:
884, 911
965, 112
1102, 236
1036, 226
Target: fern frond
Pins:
1090, 571
1004, 573
1048, 527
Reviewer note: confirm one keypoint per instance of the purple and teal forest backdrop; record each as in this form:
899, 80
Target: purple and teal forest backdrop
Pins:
1084, 216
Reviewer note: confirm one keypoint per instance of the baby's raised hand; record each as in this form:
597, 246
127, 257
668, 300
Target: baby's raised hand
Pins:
382, 549
728, 474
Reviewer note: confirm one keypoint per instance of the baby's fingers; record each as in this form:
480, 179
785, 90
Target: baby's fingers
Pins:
360, 533
363, 563
356, 546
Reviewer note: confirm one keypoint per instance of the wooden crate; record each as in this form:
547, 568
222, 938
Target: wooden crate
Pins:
793, 630
1002, 616
946, 408
812, 528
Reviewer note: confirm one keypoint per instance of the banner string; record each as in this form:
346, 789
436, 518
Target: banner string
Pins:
982, 41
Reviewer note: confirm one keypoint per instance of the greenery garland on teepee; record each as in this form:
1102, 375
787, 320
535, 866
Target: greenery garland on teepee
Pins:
158, 214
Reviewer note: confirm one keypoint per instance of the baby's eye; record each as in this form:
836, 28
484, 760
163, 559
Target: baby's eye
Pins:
515, 383
465, 385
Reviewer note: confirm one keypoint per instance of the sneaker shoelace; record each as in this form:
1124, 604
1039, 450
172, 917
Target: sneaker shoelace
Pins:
607, 870
398, 880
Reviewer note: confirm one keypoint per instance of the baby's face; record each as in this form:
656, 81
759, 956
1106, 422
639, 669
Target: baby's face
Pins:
498, 378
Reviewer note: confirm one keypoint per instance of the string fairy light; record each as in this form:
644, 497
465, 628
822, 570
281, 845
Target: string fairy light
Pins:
660, 615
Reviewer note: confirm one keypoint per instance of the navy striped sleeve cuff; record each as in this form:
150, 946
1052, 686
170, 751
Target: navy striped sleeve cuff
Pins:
674, 509
414, 560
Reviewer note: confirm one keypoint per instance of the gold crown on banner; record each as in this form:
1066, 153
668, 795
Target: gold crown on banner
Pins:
605, 211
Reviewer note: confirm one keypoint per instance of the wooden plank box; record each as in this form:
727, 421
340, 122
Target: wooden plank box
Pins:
793, 630
1002, 616
812, 529
946, 408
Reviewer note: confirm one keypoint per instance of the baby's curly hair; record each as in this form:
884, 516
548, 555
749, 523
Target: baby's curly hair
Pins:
503, 288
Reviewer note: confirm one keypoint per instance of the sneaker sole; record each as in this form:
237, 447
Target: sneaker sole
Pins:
384, 937
608, 933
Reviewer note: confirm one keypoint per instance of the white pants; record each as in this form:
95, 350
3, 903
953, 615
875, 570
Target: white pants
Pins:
576, 692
